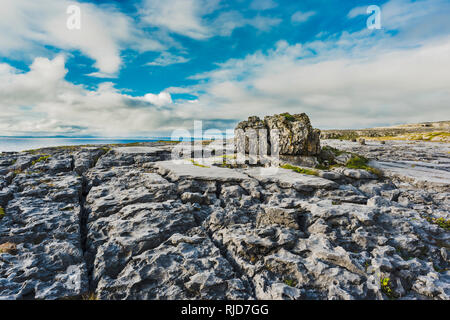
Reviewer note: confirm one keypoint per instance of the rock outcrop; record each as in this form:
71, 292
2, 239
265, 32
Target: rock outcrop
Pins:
296, 135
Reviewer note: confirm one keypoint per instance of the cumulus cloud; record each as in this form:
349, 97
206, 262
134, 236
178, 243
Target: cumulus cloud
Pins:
104, 32
345, 80
161, 99
41, 101
342, 91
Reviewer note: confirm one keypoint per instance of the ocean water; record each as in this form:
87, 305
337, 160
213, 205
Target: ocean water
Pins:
8, 144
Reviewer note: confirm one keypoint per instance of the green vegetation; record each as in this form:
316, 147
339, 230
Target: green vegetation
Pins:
310, 172
344, 136
355, 162
360, 162
386, 287
130, 144
290, 282
335, 151
437, 269
441, 222
2, 213
198, 164
288, 116
168, 141
41, 159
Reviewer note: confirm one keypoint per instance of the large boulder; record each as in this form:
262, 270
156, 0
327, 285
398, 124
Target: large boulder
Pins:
296, 135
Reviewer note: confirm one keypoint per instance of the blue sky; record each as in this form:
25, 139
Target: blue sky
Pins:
139, 68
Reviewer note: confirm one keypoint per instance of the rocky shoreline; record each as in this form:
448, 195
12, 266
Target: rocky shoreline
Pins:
123, 222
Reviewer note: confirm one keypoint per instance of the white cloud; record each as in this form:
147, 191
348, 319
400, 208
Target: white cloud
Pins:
357, 11
166, 59
192, 18
41, 101
350, 80
105, 31
300, 17
161, 99
414, 20
102, 75
180, 16
339, 91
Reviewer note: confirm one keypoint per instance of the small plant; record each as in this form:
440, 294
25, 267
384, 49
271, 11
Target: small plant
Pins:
2, 213
360, 162
290, 282
335, 151
41, 159
441, 222
288, 116
300, 170
385, 284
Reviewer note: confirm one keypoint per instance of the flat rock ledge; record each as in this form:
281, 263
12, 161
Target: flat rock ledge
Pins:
128, 223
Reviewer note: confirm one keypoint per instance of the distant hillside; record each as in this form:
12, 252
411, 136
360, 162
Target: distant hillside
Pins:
426, 131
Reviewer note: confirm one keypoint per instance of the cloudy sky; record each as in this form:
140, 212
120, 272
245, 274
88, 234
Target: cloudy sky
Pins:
147, 67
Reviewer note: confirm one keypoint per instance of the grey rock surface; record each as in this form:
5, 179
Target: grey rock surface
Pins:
127, 223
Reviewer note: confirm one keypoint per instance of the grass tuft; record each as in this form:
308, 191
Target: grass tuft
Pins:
360, 162
288, 116
41, 159
385, 284
300, 170
290, 282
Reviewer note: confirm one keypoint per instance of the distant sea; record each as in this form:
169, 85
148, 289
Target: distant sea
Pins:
8, 144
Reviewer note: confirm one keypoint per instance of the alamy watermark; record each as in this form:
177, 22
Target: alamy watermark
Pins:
234, 147
374, 20
74, 19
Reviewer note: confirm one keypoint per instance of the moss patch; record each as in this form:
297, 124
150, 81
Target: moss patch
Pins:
300, 170
41, 159
288, 116
385, 284
335, 151
2, 213
360, 162
290, 282
441, 222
